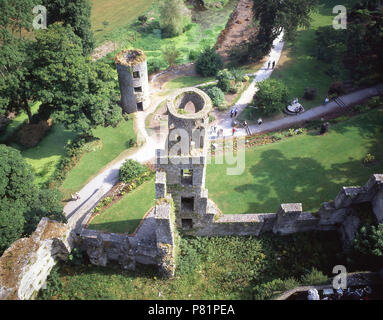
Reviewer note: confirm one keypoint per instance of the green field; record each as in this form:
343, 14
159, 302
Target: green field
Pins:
115, 142
299, 68
201, 33
208, 268
125, 215
309, 168
117, 13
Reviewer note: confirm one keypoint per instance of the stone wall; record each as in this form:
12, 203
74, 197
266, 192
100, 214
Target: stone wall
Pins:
26, 264
334, 215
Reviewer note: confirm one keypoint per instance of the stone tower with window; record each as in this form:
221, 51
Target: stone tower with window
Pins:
133, 80
181, 167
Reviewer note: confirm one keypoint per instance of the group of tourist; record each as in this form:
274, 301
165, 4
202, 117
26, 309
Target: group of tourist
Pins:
272, 65
233, 112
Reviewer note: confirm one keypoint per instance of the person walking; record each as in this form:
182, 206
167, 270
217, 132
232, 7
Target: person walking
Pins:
231, 113
235, 112
260, 121
268, 65
233, 131
326, 101
273, 64
78, 196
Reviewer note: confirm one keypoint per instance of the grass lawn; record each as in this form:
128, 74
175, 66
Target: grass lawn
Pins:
309, 169
298, 67
188, 81
125, 215
45, 156
209, 268
117, 13
115, 142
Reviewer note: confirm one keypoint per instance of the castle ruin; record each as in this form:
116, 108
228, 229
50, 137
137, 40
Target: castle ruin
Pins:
133, 80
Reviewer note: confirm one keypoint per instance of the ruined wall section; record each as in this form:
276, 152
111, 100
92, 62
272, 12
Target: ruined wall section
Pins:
26, 264
133, 80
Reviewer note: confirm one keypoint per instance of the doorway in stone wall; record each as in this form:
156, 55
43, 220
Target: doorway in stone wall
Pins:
140, 106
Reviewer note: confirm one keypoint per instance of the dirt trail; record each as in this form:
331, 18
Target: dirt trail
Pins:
238, 29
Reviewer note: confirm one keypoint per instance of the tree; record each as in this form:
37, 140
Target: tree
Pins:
174, 17
74, 91
15, 16
74, 13
11, 223
170, 54
46, 203
208, 63
274, 16
15, 80
271, 97
364, 54
16, 191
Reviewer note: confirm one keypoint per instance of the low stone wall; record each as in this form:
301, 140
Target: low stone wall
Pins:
335, 215
26, 264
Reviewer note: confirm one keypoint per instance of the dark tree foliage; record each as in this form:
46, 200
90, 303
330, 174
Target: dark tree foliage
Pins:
16, 191
209, 63
74, 13
15, 80
22, 204
274, 16
364, 56
73, 90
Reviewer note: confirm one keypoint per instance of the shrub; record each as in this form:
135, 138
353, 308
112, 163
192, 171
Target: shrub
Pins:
369, 158
170, 54
216, 95
310, 93
271, 97
193, 55
336, 88
154, 66
130, 170
268, 290
143, 19
237, 74
314, 278
209, 63
224, 77
235, 87
369, 240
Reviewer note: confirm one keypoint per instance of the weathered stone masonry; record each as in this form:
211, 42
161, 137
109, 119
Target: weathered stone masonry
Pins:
182, 204
133, 80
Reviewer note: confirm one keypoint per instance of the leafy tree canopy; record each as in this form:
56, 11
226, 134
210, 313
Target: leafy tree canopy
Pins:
74, 13
208, 63
74, 91
271, 97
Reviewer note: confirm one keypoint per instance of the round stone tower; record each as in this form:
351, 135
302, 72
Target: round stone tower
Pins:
133, 79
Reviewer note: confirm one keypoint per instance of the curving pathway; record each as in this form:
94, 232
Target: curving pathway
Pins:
90, 194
